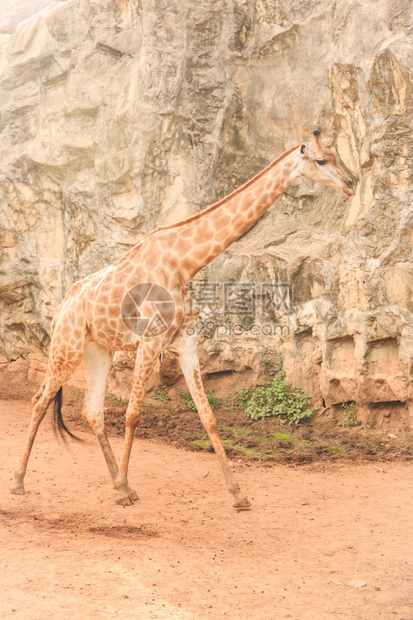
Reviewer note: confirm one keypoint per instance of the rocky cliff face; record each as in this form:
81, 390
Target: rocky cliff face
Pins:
120, 116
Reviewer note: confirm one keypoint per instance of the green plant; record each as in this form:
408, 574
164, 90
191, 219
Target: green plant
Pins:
115, 399
161, 394
268, 366
279, 398
214, 401
241, 397
236, 398
187, 398
281, 436
349, 416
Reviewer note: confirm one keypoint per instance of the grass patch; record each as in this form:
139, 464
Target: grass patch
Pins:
281, 436
116, 400
238, 432
202, 443
252, 453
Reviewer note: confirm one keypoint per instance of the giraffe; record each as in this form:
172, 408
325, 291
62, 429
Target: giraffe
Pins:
104, 312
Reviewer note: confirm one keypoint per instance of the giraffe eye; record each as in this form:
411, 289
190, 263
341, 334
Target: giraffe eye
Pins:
321, 162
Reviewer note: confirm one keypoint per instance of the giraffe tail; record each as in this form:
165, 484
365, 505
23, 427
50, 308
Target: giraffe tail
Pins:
59, 425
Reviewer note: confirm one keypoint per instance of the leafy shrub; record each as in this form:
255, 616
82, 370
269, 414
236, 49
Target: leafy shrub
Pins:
267, 366
241, 397
349, 415
214, 401
279, 398
161, 394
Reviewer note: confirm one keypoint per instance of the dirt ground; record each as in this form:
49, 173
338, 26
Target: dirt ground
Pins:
327, 539
170, 416
329, 435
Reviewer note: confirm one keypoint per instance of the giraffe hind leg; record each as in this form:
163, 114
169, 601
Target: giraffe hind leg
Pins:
39, 393
41, 402
64, 356
96, 363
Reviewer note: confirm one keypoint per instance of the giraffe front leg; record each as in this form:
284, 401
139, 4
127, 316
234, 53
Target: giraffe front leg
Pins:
188, 359
145, 361
127, 495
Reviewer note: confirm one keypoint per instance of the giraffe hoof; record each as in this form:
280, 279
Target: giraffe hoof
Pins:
128, 497
242, 504
18, 488
125, 501
133, 495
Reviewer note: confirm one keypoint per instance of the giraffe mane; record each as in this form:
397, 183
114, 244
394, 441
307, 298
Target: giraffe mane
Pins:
223, 200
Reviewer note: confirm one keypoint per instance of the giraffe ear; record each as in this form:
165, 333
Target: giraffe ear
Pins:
302, 148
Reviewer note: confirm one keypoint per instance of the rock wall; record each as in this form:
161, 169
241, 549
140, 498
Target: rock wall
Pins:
117, 116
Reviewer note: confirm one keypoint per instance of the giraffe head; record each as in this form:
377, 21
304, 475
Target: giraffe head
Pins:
320, 164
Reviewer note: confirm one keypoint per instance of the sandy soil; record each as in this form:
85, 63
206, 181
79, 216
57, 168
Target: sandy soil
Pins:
68, 551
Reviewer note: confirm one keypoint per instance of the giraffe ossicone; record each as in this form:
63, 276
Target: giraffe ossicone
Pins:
142, 302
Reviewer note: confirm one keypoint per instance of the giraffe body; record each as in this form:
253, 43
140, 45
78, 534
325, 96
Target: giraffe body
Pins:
112, 310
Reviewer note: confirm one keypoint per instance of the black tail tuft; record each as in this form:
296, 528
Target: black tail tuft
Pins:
59, 425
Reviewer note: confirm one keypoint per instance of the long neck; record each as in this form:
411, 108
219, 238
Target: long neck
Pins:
202, 237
